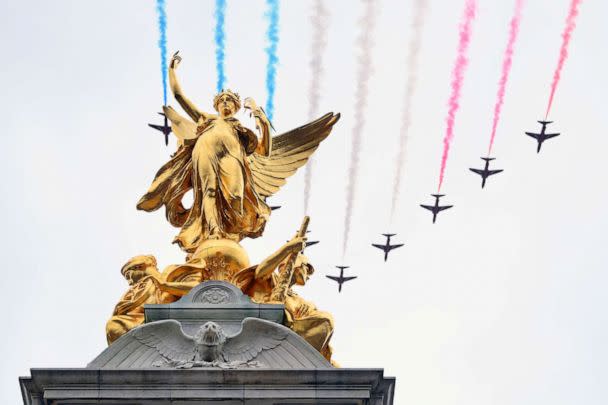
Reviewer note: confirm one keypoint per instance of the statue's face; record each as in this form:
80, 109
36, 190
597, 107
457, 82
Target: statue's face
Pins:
134, 274
226, 106
301, 275
302, 270
139, 267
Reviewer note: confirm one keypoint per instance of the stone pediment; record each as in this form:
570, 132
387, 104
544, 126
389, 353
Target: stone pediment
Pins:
275, 347
244, 334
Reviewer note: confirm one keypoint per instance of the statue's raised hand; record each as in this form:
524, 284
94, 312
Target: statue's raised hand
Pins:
257, 112
251, 105
175, 60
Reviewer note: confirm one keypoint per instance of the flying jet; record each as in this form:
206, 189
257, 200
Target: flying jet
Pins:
485, 172
309, 242
542, 137
165, 128
387, 247
435, 209
341, 279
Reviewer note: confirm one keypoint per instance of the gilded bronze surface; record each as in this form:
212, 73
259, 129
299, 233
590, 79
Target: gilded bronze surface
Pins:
146, 286
303, 317
231, 170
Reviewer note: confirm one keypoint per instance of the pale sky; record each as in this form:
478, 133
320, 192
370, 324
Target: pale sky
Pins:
500, 302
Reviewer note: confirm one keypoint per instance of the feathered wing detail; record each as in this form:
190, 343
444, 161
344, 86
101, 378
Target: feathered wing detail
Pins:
168, 339
289, 152
256, 335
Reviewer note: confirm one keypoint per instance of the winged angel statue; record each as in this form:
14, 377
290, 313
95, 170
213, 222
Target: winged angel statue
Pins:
210, 346
230, 170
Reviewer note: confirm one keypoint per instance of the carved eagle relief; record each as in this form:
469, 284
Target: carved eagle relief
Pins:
210, 346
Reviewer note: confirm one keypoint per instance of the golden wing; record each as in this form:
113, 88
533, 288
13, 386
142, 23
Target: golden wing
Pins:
182, 127
289, 152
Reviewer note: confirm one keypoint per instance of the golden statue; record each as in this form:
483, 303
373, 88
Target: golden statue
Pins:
146, 286
230, 171
264, 285
226, 260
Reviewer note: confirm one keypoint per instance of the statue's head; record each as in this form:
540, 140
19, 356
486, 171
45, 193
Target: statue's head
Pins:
302, 270
227, 103
139, 267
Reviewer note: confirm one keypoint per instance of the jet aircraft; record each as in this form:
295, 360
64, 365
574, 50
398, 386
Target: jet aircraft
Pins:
542, 137
485, 172
387, 247
341, 279
435, 209
165, 128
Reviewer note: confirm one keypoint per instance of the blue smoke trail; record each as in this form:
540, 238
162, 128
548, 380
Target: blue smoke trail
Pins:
220, 37
162, 44
272, 35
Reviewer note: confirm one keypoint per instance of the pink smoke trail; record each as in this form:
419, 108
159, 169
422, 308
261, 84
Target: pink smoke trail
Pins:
458, 71
506, 68
563, 53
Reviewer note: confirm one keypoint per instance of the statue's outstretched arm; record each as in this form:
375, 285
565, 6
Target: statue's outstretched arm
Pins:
183, 101
268, 265
262, 124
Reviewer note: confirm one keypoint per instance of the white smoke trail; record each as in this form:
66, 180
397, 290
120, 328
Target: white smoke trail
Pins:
320, 23
418, 17
364, 72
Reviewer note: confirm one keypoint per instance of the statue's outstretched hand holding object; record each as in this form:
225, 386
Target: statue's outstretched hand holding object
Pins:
175, 60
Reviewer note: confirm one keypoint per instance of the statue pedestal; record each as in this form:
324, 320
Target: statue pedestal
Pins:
290, 371
217, 301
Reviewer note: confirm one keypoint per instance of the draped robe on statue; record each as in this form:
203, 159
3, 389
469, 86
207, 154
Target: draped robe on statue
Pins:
213, 166
219, 160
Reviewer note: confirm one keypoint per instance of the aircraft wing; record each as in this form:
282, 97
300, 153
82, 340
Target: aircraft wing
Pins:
157, 127
445, 207
348, 278
547, 136
491, 172
391, 247
533, 135
428, 207
378, 246
478, 171
334, 278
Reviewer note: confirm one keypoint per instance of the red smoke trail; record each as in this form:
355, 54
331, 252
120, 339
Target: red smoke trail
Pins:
457, 79
563, 53
506, 68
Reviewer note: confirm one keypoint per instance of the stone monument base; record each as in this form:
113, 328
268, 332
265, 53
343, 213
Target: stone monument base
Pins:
166, 361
